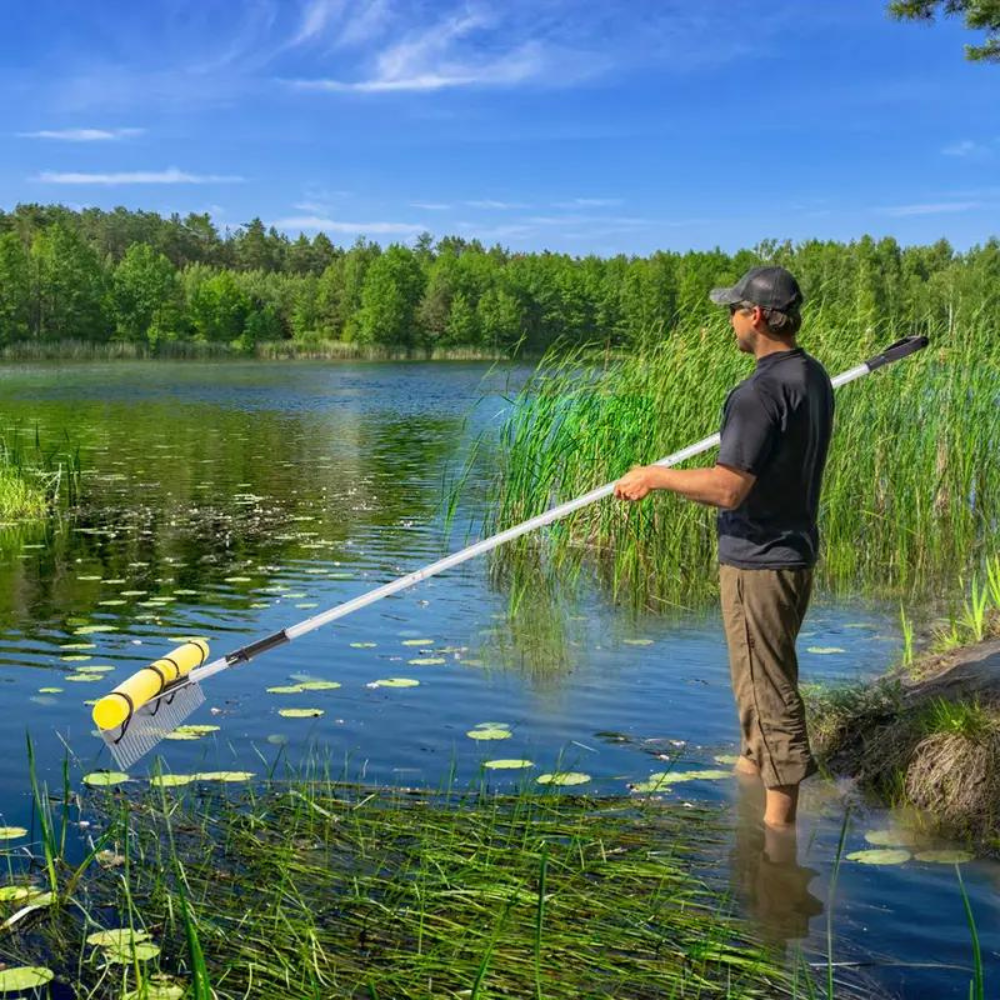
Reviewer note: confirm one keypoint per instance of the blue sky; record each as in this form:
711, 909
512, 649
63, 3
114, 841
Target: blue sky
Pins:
621, 126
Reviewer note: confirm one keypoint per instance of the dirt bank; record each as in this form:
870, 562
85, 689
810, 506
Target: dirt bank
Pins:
928, 736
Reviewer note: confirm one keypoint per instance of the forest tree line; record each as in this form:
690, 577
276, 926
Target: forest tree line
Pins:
137, 277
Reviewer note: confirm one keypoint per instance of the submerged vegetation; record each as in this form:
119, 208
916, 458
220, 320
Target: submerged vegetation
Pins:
315, 888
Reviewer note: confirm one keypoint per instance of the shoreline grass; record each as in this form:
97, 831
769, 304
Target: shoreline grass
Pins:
309, 887
912, 489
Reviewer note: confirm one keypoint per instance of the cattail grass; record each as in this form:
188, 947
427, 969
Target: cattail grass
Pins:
912, 488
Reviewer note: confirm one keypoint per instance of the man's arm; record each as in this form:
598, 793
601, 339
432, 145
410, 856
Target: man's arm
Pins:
720, 486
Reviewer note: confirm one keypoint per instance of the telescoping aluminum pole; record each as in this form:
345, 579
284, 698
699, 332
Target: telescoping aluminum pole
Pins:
144, 725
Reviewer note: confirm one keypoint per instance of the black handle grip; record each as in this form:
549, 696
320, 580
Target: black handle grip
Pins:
908, 345
247, 653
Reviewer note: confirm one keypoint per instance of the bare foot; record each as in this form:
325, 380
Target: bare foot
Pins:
746, 767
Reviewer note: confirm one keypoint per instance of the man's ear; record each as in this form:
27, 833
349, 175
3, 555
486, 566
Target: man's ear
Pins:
758, 317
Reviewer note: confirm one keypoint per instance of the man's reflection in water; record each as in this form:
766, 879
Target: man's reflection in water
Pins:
767, 879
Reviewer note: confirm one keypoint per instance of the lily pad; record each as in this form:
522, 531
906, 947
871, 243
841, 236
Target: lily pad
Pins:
638, 642
171, 780
663, 779
363, 645
301, 713
394, 682
102, 779
157, 987
12, 832
418, 642
94, 629
97, 668
944, 857
489, 733
82, 678
117, 937
890, 838
78, 645
25, 977
17, 893
508, 765
824, 650
50, 690
564, 778
725, 758
881, 856
201, 730
286, 689
127, 954
319, 685
181, 737
427, 661
228, 776
75, 658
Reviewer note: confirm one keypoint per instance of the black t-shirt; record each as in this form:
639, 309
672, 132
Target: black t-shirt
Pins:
776, 425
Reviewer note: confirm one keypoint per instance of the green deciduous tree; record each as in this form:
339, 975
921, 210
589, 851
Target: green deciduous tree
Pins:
980, 15
69, 287
145, 295
392, 291
15, 289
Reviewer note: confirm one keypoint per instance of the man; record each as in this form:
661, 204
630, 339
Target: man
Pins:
766, 481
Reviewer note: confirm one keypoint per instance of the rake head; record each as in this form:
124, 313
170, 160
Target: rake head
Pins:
150, 724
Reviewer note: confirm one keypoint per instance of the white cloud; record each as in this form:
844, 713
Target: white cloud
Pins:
492, 203
431, 206
588, 203
931, 208
169, 176
317, 223
438, 58
316, 17
83, 134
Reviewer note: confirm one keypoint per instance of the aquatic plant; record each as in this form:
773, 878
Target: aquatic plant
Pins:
310, 887
912, 489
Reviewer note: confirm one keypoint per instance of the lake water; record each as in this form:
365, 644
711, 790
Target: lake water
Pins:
230, 500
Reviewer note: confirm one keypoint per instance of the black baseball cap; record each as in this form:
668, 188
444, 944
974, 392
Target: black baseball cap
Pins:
767, 287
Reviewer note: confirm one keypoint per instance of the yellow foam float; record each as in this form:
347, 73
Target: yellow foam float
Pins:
115, 709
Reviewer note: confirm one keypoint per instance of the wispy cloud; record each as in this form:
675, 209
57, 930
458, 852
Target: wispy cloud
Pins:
971, 149
930, 208
83, 134
492, 203
443, 56
431, 206
169, 176
589, 203
313, 223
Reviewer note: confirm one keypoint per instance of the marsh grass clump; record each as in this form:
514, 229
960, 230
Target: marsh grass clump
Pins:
912, 489
310, 888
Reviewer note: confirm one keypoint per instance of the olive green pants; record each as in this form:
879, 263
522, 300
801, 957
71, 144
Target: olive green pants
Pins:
762, 610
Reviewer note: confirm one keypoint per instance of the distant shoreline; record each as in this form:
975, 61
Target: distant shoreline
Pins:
80, 350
